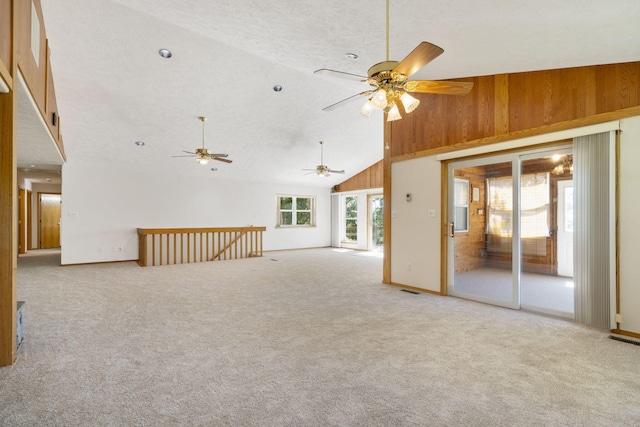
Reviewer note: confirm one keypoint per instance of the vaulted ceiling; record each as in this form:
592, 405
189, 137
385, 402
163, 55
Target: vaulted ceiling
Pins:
113, 87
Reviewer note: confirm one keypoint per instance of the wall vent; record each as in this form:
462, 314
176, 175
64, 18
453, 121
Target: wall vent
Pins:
628, 341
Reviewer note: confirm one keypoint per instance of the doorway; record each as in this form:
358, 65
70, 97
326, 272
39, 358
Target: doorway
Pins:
49, 211
503, 217
22, 221
376, 219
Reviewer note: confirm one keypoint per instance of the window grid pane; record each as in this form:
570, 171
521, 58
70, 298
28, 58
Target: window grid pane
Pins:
296, 211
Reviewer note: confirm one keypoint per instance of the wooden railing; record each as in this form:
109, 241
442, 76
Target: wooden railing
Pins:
164, 246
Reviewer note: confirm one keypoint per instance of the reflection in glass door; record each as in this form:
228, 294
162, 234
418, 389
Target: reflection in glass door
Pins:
481, 230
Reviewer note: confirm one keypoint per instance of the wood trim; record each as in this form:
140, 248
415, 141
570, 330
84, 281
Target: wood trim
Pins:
617, 231
8, 215
386, 194
145, 231
444, 240
6, 41
5, 75
627, 333
29, 220
22, 221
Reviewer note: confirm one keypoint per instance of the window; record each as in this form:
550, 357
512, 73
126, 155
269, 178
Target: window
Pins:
534, 213
296, 211
461, 201
351, 218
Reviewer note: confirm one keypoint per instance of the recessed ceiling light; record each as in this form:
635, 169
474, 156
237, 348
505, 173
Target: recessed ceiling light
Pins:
214, 169
277, 88
165, 53
139, 143
351, 55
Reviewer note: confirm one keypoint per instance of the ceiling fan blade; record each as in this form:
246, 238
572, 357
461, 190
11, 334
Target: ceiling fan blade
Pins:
441, 87
332, 171
221, 159
340, 74
424, 53
308, 170
217, 155
347, 100
188, 152
192, 155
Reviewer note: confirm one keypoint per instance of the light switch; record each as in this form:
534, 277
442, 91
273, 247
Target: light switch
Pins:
432, 213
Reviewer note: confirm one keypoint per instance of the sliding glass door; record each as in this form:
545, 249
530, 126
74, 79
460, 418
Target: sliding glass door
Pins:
503, 245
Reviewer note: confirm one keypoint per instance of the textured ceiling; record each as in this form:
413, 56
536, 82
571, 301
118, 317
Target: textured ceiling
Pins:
114, 89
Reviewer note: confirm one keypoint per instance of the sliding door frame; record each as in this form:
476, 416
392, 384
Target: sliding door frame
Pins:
515, 232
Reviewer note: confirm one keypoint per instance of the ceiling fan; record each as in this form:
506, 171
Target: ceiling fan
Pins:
391, 85
321, 169
203, 155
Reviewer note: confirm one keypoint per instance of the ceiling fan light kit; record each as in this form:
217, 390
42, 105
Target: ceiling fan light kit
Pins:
389, 80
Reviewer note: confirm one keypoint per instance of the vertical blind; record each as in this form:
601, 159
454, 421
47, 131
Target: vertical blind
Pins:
591, 156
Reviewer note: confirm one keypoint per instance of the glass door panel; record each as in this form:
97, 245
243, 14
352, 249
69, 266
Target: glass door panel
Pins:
546, 203
481, 229
376, 209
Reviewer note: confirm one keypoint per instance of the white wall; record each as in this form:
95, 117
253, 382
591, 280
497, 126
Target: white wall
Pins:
363, 218
415, 236
102, 208
629, 176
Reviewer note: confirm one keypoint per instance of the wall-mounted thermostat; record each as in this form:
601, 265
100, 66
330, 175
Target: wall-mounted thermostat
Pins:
408, 197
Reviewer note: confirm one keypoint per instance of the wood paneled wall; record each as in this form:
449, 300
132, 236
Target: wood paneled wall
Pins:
510, 103
51, 106
504, 107
371, 177
34, 72
6, 31
37, 74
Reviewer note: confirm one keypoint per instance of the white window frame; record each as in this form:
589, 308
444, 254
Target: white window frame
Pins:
457, 206
345, 218
294, 211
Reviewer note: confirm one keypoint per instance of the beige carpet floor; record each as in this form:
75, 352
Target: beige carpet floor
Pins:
296, 338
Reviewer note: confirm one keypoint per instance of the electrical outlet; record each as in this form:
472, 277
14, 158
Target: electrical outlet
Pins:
408, 267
